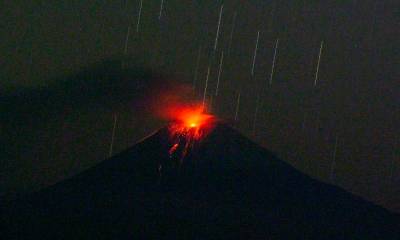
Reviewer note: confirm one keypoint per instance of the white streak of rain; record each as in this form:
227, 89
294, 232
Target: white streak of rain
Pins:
319, 59
205, 87
140, 14
334, 159
219, 23
273, 61
219, 72
113, 136
255, 54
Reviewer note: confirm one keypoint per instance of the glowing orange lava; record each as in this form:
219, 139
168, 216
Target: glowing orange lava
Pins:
192, 117
191, 125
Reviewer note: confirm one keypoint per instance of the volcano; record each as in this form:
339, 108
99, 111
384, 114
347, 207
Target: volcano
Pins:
221, 186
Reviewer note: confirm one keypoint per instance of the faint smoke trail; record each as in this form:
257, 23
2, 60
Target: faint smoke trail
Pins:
140, 14
237, 107
273, 61
219, 23
219, 72
334, 159
127, 40
231, 35
113, 136
319, 59
255, 54
196, 68
161, 8
205, 87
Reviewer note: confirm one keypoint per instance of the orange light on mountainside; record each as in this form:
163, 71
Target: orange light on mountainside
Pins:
191, 125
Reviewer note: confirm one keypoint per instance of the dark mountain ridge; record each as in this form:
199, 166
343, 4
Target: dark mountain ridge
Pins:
226, 187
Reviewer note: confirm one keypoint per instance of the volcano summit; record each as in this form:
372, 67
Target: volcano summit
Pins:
172, 185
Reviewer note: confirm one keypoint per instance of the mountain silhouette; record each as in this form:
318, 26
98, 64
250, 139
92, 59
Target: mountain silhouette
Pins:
224, 187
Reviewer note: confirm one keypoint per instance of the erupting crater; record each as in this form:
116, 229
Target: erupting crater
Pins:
191, 125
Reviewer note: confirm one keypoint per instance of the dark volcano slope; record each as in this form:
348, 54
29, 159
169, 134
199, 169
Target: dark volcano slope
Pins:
227, 187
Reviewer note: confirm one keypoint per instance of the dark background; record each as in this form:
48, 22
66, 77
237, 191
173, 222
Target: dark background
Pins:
59, 58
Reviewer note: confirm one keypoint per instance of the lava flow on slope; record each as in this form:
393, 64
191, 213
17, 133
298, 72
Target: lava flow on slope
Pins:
226, 187
191, 125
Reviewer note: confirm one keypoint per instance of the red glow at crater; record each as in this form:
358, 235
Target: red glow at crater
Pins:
191, 124
192, 117
188, 118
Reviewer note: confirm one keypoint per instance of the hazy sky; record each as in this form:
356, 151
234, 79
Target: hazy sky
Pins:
353, 105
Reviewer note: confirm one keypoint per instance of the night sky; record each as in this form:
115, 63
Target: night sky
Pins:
340, 124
